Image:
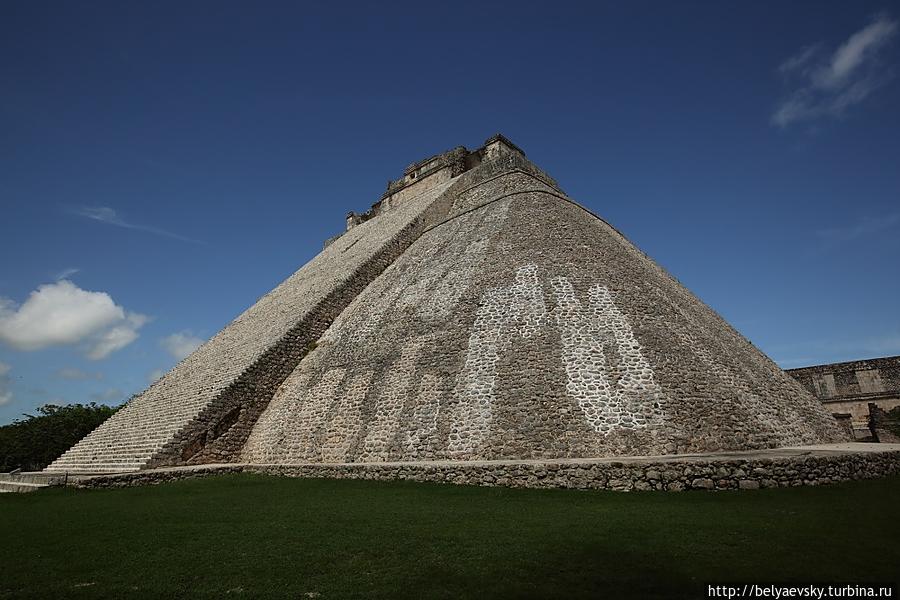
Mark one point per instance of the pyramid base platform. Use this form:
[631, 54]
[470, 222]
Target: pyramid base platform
[778, 467]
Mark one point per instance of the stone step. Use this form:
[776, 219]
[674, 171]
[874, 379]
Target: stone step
[131, 435]
[21, 486]
[133, 454]
[32, 477]
[123, 443]
[121, 436]
[136, 429]
[97, 469]
[136, 450]
[113, 462]
[107, 460]
[104, 460]
[90, 464]
[117, 447]
[150, 419]
[129, 453]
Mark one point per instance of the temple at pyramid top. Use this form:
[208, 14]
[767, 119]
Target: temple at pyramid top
[475, 312]
[435, 170]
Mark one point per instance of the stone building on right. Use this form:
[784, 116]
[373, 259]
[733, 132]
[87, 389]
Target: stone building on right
[856, 392]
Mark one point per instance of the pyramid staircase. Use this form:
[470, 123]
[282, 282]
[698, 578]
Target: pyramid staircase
[154, 428]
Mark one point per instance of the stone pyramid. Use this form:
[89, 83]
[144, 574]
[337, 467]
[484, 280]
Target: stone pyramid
[476, 312]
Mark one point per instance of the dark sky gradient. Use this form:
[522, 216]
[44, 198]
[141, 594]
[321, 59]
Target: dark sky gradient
[234, 136]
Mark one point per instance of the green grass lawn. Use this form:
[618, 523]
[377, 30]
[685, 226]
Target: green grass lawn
[256, 536]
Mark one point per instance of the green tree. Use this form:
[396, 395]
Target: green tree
[34, 442]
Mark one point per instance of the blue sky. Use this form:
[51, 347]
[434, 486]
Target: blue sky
[162, 165]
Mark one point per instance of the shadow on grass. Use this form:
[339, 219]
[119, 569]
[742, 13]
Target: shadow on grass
[256, 536]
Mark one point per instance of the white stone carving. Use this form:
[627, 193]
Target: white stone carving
[613, 393]
[626, 396]
[505, 313]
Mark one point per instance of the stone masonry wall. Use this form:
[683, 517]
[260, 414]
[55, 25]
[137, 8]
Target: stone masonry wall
[884, 425]
[849, 387]
[851, 380]
[696, 474]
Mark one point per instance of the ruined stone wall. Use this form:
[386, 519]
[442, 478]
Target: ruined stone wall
[859, 409]
[389, 201]
[524, 327]
[427, 182]
[454, 160]
[499, 152]
[884, 425]
[849, 387]
[851, 379]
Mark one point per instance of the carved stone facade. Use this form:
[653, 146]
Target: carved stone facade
[477, 313]
[848, 388]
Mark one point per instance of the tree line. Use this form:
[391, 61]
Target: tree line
[37, 440]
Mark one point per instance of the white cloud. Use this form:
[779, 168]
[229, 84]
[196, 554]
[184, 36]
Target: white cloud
[861, 46]
[116, 338]
[155, 375]
[66, 273]
[109, 216]
[800, 61]
[74, 374]
[826, 85]
[61, 313]
[55, 314]
[181, 344]
[5, 393]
